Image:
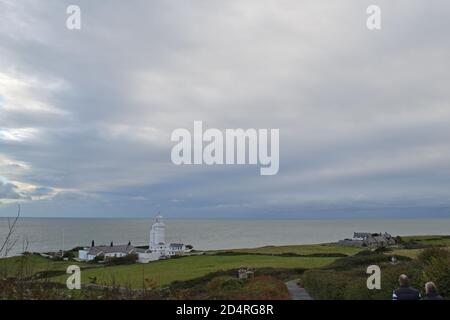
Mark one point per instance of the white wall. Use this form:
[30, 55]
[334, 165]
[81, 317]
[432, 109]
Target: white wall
[148, 256]
[83, 255]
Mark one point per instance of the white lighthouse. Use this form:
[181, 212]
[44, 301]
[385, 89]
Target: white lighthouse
[157, 234]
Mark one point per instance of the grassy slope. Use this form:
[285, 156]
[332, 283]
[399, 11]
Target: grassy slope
[430, 240]
[410, 253]
[32, 264]
[166, 271]
[300, 249]
[440, 241]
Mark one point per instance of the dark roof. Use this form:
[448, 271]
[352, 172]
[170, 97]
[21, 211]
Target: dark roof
[177, 245]
[362, 234]
[126, 249]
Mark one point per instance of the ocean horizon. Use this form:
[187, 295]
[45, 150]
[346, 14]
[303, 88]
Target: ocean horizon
[52, 234]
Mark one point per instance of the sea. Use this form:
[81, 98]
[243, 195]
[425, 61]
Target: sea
[53, 234]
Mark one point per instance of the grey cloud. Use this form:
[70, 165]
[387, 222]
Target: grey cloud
[8, 191]
[363, 116]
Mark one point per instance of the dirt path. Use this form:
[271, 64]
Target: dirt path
[296, 292]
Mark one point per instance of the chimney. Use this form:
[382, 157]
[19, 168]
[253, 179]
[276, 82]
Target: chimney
[93, 243]
[112, 245]
[129, 243]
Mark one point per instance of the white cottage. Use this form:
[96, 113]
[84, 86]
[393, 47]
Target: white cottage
[111, 251]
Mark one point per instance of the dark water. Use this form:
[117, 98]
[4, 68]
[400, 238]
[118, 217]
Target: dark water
[47, 234]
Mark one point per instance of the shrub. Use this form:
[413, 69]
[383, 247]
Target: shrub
[382, 250]
[128, 259]
[414, 245]
[346, 279]
[365, 253]
[398, 239]
[427, 255]
[224, 283]
[98, 259]
[261, 288]
[69, 255]
[326, 284]
[436, 268]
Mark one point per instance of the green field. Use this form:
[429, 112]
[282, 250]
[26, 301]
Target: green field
[410, 253]
[430, 240]
[165, 272]
[32, 264]
[300, 249]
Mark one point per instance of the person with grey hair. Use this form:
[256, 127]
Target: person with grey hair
[405, 291]
[431, 292]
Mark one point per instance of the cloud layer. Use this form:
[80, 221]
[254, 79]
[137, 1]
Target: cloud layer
[86, 116]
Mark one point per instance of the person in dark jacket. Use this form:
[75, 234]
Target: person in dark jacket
[405, 292]
[431, 292]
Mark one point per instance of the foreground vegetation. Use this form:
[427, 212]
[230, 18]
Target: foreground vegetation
[327, 271]
[346, 278]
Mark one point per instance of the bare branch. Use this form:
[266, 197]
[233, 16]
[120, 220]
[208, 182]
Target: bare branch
[6, 246]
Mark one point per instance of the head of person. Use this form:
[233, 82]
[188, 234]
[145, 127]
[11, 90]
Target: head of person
[403, 280]
[430, 288]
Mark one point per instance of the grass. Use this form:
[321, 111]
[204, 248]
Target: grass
[166, 271]
[32, 264]
[271, 269]
[430, 240]
[410, 253]
[300, 249]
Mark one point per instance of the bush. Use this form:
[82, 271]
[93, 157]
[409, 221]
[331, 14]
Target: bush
[436, 268]
[346, 279]
[69, 255]
[382, 250]
[427, 255]
[97, 259]
[414, 245]
[128, 259]
[261, 288]
[224, 283]
[365, 253]
[325, 284]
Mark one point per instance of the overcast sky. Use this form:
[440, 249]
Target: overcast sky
[86, 115]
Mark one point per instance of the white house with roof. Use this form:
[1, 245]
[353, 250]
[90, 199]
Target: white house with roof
[157, 249]
[110, 251]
